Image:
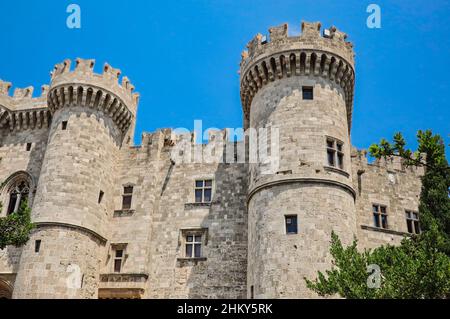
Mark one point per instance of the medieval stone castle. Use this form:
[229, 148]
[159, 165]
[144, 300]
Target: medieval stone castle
[114, 220]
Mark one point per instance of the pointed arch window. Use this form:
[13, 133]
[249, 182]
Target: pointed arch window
[18, 194]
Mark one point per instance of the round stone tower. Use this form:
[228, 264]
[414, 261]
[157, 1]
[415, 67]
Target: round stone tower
[92, 117]
[302, 86]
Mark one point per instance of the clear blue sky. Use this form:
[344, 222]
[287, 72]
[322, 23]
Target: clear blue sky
[183, 56]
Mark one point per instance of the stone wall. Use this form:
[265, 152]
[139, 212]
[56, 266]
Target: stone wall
[15, 160]
[221, 272]
[388, 183]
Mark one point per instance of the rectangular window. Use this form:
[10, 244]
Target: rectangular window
[118, 260]
[64, 125]
[127, 197]
[412, 222]
[380, 217]
[291, 224]
[203, 191]
[335, 153]
[252, 292]
[308, 93]
[28, 147]
[37, 246]
[193, 246]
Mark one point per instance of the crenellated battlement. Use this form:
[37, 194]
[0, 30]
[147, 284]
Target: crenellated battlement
[21, 110]
[20, 95]
[332, 40]
[172, 137]
[329, 56]
[100, 91]
[84, 73]
[394, 163]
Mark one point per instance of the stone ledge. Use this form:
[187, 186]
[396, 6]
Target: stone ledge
[386, 231]
[200, 205]
[120, 293]
[336, 170]
[183, 260]
[102, 239]
[303, 180]
[123, 212]
[124, 277]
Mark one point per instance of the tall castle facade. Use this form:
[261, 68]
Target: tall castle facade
[114, 220]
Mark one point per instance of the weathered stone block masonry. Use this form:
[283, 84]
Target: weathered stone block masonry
[114, 220]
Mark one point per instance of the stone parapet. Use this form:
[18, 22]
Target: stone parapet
[98, 91]
[329, 56]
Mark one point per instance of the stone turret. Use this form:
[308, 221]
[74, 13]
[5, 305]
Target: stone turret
[303, 86]
[92, 118]
[329, 56]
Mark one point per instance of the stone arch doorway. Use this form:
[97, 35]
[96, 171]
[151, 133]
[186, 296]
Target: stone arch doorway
[5, 289]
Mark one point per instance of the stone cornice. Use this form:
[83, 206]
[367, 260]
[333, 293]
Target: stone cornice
[99, 237]
[124, 277]
[22, 111]
[303, 180]
[386, 231]
[83, 74]
[90, 96]
[24, 119]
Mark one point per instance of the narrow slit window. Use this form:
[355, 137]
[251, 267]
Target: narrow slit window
[28, 147]
[37, 246]
[100, 196]
[64, 125]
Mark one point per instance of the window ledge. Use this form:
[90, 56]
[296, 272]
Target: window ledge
[196, 259]
[386, 231]
[199, 205]
[124, 212]
[336, 170]
[124, 277]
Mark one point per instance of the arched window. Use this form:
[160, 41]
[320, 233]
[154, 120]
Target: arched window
[17, 195]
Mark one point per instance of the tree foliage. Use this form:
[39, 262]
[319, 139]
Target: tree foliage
[420, 266]
[15, 228]
[415, 269]
[434, 204]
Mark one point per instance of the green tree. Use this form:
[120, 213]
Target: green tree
[15, 228]
[414, 269]
[434, 204]
[420, 266]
